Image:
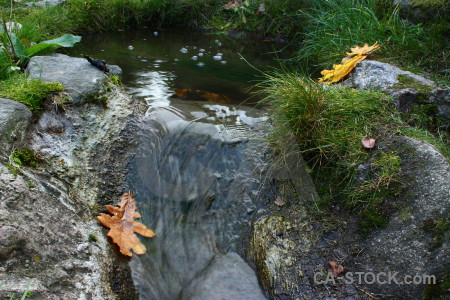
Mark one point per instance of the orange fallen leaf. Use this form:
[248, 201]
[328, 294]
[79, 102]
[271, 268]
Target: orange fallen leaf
[123, 226]
[335, 268]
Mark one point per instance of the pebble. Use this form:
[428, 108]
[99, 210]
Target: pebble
[200, 64]
[223, 62]
[217, 57]
[194, 57]
[279, 233]
[130, 47]
[183, 50]
[155, 33]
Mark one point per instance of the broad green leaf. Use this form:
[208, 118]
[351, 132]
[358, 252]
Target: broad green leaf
[38, 48]
[67, 40]
[19, 47]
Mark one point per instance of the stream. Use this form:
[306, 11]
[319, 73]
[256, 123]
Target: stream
[199, 169]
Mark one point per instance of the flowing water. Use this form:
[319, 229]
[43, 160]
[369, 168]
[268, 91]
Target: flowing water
[198, 172]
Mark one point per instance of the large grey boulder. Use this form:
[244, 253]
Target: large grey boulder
[14, 121]
[371, 74]
[416, 239]
[407, 89]
[227, 277]
[78, 76]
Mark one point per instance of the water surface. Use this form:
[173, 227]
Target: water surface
[200, 165]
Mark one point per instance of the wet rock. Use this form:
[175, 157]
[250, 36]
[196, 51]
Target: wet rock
[14, 121]
[10, 240]
[416, 239]
[66, 70]
[45, 214]
[227, 277]
[276, 257]
[407, 89]
[442, 99]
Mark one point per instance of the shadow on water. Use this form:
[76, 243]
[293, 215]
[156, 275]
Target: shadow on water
[198, 171]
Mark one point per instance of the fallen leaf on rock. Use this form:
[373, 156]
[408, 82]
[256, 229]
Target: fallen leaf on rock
[123, 226]
[357, 55]
[340, 71]
[367, 142]
[335, 268]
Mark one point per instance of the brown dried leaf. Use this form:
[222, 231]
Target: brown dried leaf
[279, 201]
[367, 142]
[335, 268]
[123, 226]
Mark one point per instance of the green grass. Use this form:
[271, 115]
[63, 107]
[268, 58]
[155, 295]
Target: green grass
[31, 92]
[334, 26]
[326, 124]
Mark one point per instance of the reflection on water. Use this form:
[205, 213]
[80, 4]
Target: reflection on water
[157, 65]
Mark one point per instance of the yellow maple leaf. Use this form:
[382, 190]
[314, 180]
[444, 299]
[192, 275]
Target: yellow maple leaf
[365, 50]
[340, 71]
[357, 55]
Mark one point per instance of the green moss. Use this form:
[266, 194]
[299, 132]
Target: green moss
[437, 228]
[371, 218]
[436, 291]
[406, 214]
[409, 82]
[31, 92]
[15, 171]
[92, 238]
[25, 157]
[115, 80]
[100, 99]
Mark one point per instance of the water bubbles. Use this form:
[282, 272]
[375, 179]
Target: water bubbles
[200, 64]
[130, 47]
[155, 33]
[184, 50]
[194, 57]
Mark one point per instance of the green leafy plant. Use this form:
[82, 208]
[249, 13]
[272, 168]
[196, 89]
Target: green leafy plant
[14, 52]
